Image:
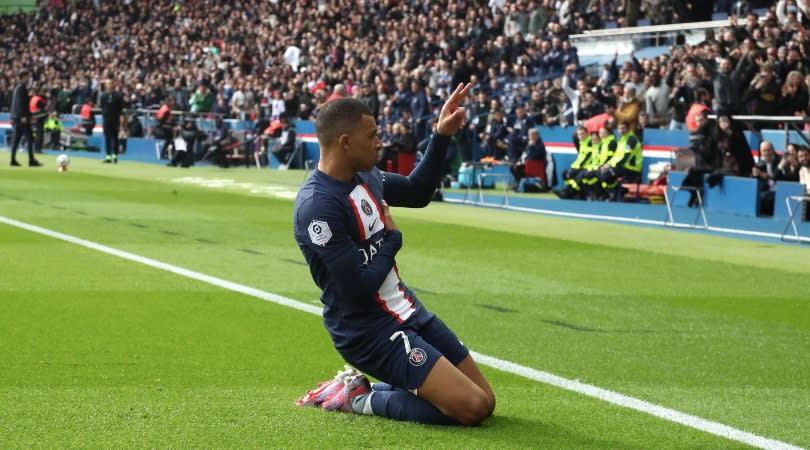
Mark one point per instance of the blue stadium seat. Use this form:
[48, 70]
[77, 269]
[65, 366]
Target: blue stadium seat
[794, 137]
[776, 137]
[752, 138]
[735, 195]
[785, 189]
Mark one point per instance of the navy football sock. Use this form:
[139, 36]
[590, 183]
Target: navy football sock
[380, 386]
[402, 405]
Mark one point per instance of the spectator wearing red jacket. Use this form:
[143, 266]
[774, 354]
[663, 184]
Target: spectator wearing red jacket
[164, 128]
[87, 117]
[699, 107]
[39, 112]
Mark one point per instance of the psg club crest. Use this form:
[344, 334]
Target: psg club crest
[319, 232]
[366, 207]
[417, 357]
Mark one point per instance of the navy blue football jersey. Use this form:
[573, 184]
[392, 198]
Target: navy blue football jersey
[340, 229]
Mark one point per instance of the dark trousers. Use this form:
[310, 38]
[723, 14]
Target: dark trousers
[695, 178]
[283, 153]
[88, 127]
[571, 174]
[111, 139]
[39, 134]
[20, 130]
[166, 134]
[586, 178]
[215, 151]
[168, 149]
[56, 139]
[184, 158]
[612, 174]
[766, 201]
[518, 170]
[607, 179]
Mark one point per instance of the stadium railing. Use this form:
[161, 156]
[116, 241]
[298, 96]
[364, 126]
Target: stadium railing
[596, 46]
[794, 205]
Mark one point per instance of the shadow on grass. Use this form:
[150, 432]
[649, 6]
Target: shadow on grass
[523, 432]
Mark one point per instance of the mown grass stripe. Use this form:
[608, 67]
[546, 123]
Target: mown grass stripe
[614, 398]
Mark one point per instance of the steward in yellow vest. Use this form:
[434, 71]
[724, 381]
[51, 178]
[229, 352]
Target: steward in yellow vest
[53, 126]
[587, 149]
[625, 163]
[580, 185]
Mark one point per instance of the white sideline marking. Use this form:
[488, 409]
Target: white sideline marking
[715, 428]
[661, 223]
[219, 282]
[616, 398]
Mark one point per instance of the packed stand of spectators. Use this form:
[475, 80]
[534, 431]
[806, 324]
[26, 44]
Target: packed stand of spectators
[251, 59]
[761, 67]
[246, 59]
[766, 62]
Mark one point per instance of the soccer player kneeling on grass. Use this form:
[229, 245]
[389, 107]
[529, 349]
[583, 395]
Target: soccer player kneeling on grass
[345, 230]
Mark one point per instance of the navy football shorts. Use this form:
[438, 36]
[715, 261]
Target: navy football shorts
[403, 356]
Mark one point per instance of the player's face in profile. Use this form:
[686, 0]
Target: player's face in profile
[365, 145]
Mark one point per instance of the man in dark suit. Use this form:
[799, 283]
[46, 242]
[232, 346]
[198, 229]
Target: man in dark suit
[766, 171]
[21, 118]
[518, 133]
[112, 106]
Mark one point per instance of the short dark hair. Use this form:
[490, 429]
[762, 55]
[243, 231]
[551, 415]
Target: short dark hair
[701, 93]
[23, 73]
[339, 116]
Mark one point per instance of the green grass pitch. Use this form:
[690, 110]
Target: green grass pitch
[101, 352]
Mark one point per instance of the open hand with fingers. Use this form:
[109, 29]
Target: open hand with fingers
[452, 116]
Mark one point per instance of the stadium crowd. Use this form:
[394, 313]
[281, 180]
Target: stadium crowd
[236, 58]
[251, 59]
[245, 58]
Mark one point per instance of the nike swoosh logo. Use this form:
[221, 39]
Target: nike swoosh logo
[371, 227]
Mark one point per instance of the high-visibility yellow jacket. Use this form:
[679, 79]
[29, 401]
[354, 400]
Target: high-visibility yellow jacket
[587, 152]
[628, 153]
[607, 147]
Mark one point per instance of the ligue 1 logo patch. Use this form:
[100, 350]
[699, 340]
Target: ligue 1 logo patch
[417, 357]
[319, 232]
[366, 207]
